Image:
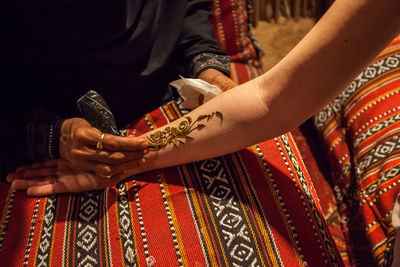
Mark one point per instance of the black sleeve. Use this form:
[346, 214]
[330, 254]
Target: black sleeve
[29, 126]
[200, 50]
[26, 134]
[27, 139]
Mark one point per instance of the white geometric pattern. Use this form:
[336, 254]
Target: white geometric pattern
[87, 230]
[228, 214]
[125, 225]
[371, 72]
[43, 254]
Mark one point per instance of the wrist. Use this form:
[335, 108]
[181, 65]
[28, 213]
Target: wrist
[54, 138]
[205, 61]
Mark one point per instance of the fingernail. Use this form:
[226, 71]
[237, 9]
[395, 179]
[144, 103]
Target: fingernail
[146, 151]
[142, 161]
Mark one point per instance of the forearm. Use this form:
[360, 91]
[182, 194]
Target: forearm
[332, 54]
[233, 120]
[319, 68]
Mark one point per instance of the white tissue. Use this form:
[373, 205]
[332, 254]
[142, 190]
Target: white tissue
[191, 89]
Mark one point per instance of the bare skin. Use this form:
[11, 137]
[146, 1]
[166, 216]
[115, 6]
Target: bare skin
[78, 146]
[81, 158]
[215, 77]
[312, 74]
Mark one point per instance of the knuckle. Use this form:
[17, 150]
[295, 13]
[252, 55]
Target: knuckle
[81, 134]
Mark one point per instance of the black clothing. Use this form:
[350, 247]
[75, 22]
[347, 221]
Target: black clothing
[128, 51]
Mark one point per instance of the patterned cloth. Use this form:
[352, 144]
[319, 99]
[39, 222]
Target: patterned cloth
[256, 207]
[361, 131]
[231, 28]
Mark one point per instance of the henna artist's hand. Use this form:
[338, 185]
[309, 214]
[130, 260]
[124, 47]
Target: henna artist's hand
[78, 145]
[217, 78]
[57, 176]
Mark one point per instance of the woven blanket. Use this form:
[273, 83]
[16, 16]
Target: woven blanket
[256, 207]
[361, 131]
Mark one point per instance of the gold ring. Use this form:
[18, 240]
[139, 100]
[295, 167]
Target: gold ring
[99, 145]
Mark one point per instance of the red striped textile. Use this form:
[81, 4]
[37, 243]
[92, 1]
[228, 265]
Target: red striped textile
[231, 30]
[257, 206]
[361, 131]
[242, 73]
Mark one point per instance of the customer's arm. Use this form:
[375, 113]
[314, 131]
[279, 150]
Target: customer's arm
[342, 43]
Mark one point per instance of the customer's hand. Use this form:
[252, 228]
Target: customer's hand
[57, 176]
[78, 145]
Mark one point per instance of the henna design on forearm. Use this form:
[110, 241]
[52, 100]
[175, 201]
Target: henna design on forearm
[178, 135]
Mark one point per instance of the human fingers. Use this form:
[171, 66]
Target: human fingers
[225, 84]
[125, 174]
[114, 150]
[39, 172]
[80, 141]
[93, 138]
[36, 170]
[47, 189]
[68, 180]
[217, 78]
[106, 171]
[103, 163]
[23, 184]
[119, 143]
[41, 164]
[92, 183]
[110, 157]
[76, 135]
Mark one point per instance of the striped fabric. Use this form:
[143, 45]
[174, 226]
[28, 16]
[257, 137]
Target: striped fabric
[256, 207]
[231, 30]
[361, 131]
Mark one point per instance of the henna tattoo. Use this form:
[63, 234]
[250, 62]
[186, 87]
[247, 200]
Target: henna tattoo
[178, 135]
